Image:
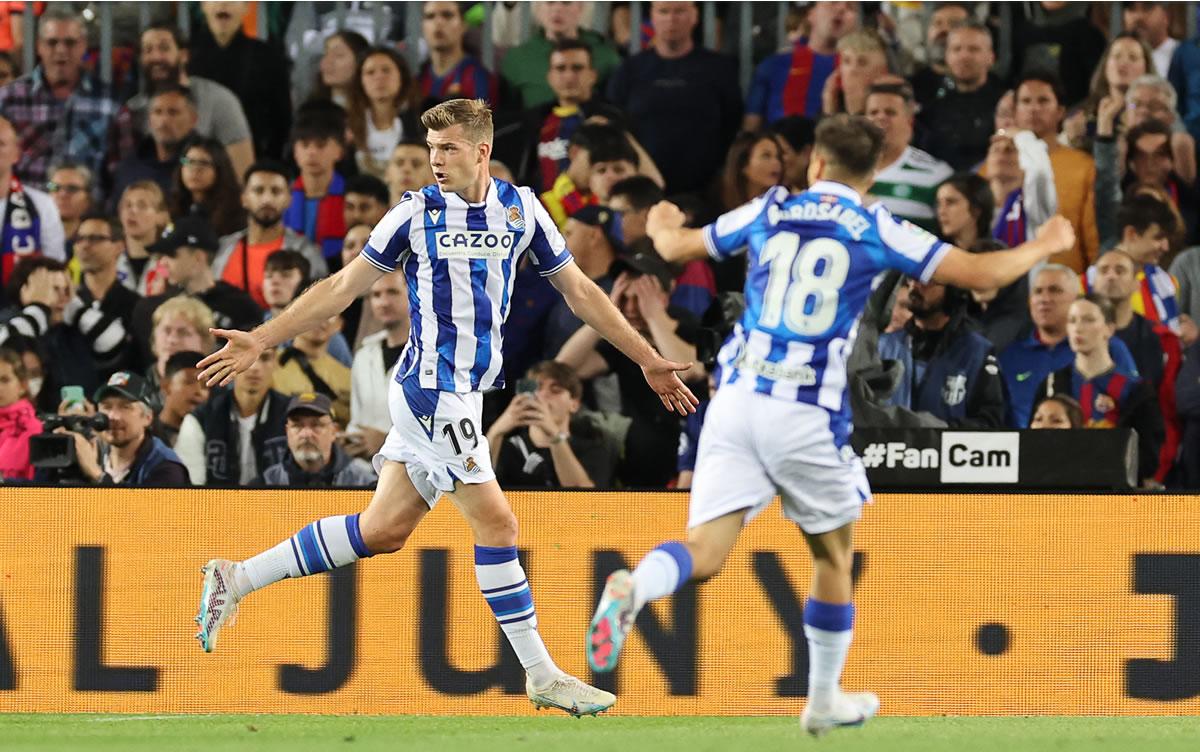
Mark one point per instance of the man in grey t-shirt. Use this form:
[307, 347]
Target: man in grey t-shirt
[163, 60]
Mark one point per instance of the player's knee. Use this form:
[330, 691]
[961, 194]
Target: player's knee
[500, 529]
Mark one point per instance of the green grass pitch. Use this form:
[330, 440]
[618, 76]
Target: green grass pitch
[296, 733]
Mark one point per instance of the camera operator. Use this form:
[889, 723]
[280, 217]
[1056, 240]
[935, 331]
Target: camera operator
[134, 457]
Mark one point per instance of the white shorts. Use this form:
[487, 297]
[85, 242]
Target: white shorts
[438, 436]
[753, 446]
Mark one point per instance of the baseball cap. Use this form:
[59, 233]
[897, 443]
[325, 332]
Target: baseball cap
[608, 220]
[128, 385]
[191, 231]
[642, 258]
[309, 402]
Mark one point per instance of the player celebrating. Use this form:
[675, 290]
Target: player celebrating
[459, 243]
[780, 422]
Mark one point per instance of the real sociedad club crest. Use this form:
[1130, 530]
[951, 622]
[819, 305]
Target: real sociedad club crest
[955, 389]
[515, 220]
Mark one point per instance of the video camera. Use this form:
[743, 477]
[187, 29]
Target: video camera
[56, 451]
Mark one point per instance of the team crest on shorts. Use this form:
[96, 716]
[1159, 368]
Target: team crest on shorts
[954, 391]
[470, 466]
[514, 217]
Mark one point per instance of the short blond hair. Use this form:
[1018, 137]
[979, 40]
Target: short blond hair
[193, 311]
[863, 40]
[473, 115]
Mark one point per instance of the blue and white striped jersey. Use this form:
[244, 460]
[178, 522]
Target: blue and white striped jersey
[814, 257]
[460, 260]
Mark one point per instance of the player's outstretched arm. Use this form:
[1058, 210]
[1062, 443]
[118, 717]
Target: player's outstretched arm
[673, 241]
[321, 301]
[988, 271]
[591, 304]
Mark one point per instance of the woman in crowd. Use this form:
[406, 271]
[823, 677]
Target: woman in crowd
[1108, 397]
[339, 65]
[1057, 411]
[205, 183]
[181, 324]
[383, 109]
[18, 419]
[964, 209]
[1126, 58]
[753, 164]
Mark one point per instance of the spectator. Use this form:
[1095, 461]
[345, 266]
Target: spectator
[142, 209]
[238, 433]
[570, 191]
[307, 366]
[220, 52]
[58, 111]
[1031, 358]
[338, 73]
[172, 122]
[754, 164]
[204, 185]
[29, 221]
[1002, 315]
[964, 209]
[1150, 161]
[383, 109]
[1057, 411]
[942, 18]
[593, 235]
[950, 371]
[1039, 108]
[133, 456]
[549, 127]
[1187, 401]
[1126, 59]
[18, 418]
[609, 168]
[632, 199]
[374, 363]
[528, 67]
[317, 207]
[907, 177]
[675, 87]
[102, 309]
[1152, 97]
[1021, 179]
[242, 256]
[956, 117]
[71, 188]
[314, 460]
[862, 60]
[180, 393]
[219, 114]
[188, 248]
[792, 82]
[450, 72]
[542, 441]
[181, 324]
[1006, 111]
[1058, 38]
[796, 136]
[1109, 396]
[35, 373]
[286, 274]
[407, 170]
[1178, 62]
[642, 294]
[366, 201]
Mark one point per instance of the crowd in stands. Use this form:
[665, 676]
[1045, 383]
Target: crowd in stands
[218, 175]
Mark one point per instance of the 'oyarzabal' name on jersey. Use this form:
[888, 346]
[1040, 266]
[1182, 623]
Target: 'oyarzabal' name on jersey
[474, 244]
[820, 211]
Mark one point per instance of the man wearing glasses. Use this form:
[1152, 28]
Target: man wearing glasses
[59, 111]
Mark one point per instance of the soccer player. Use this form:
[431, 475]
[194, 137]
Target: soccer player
[459, 243]
[780, 421]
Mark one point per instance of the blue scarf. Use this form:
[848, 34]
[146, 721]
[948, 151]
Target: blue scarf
[21, 233]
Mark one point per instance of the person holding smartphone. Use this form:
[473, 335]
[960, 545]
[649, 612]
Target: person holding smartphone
[541, 441]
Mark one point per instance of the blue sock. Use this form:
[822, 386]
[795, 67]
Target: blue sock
[663, 571]
[829, 628]
[506, 589]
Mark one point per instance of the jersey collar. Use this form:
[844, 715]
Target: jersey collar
[837, 189]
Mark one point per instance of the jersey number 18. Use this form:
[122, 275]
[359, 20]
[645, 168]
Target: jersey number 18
[803, 283]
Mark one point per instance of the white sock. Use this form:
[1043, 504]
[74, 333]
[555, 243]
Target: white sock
[506, 589]
[826, 658]
[325, 544]
[660, 573]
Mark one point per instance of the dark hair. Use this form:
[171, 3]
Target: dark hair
[6, 56]
[14, 359]
[735, 188]
[797, 130]
[172, 87]
[359, 109]
[588, 135]
[1048, 77]
[285, 259]
[1070, 405]
[272, 166]
[641, 191]
[616, 149]
[978, 194]
[1140, 211]
[319, 120]
[850, 143]
[181, 361]
[357, 43]
[169, 28]
[1106, 306]
[571, 45]
[369, 185]
[901, 89]
[223, 206]
[113, 222]
[561, 374]
[24, 268]
[1146, 128]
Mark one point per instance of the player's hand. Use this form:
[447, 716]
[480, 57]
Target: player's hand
[664, 216]
[663, 377]
[238, 354]
[1058, 234]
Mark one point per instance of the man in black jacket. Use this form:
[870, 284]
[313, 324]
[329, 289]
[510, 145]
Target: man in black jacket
[314, 460]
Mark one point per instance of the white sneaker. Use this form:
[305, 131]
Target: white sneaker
[571, 695]
[848, 709]
[218, 604]
[614, 618]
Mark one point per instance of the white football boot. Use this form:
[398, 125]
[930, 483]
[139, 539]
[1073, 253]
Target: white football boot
[847, 709]
[570, 695]
[218, 604]
[614, 618]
